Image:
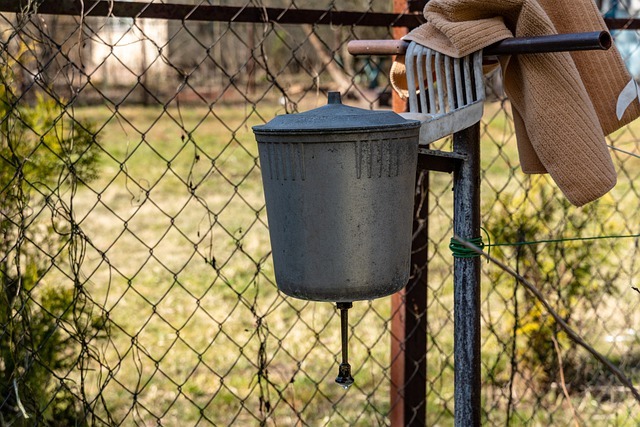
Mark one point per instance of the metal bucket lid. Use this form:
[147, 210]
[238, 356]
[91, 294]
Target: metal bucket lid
[336, 117]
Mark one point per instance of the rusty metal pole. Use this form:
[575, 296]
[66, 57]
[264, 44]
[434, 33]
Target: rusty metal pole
[466, 277]
[409, 324]
[409, 307]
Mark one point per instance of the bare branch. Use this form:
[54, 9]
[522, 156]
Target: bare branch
[569, 331]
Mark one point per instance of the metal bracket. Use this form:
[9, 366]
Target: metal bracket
[440, 161]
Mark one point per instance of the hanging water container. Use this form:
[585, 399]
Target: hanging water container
[339, 188]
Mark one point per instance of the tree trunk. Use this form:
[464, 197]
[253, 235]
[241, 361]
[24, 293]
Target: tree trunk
[343, 80]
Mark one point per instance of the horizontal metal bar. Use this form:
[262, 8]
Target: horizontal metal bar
[513, 46]
[125, 9]
[623, 23]
[439, 161]
[377, 47]
[556, 43]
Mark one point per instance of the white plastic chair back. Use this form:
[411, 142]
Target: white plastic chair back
[449, 90]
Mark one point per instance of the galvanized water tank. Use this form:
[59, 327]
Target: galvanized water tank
[339, 188]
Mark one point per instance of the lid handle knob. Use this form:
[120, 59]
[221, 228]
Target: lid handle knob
[334, 98]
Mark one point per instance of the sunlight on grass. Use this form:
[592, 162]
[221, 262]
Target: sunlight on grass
[179, 258]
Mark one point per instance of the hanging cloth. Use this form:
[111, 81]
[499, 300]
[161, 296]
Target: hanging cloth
[563, 104]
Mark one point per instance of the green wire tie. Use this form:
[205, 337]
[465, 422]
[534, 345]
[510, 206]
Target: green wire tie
[461, 251]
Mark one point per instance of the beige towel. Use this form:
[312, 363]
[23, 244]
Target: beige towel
[563, 103]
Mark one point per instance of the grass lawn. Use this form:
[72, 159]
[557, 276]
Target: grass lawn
[179, 258]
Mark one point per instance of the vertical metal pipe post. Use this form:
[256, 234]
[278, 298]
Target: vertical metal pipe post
[466, 276]
[408, 394]
[415, 302]
[409, 324]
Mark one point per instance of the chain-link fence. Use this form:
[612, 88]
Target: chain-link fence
[137, 282]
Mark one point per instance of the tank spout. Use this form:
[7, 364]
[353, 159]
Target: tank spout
[344, 377]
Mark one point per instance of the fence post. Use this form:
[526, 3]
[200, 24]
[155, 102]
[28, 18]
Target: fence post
[466, 276]
[409, 307]
[409, 325]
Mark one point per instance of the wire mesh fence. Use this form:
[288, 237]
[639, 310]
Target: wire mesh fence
[137, 282]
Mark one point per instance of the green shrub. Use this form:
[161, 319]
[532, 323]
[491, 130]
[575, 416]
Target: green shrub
[571, 274]
[46, 324]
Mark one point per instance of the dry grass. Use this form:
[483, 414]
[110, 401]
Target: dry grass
[179, 260]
